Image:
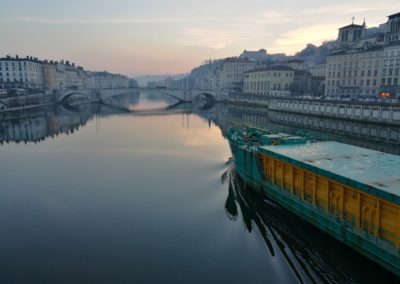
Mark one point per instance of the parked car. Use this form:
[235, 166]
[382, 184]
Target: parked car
[3, 92]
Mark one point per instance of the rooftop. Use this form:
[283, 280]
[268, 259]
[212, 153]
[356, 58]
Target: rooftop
[351, 26]
[394, 16]
[271, 68]
[351, 164]
[356, 50]
[237, 60]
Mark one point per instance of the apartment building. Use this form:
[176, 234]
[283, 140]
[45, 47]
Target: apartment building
[21, 73]
[273, 81]
[230, 74]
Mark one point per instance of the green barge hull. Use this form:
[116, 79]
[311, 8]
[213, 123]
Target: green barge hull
[356, 206]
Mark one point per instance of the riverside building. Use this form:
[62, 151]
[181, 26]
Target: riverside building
[230, 74]
[391, 57]
[354, 66]
[365, 62]
[19, 72]
[273, 81]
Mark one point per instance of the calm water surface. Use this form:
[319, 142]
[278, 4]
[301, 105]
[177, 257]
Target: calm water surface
[95, 195]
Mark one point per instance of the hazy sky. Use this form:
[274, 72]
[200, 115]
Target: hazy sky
[172, 36]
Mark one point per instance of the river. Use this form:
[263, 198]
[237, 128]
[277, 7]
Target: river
[148, 194]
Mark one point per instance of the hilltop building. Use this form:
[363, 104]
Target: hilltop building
[255, 56]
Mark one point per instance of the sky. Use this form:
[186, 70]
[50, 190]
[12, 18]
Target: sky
[137, 37]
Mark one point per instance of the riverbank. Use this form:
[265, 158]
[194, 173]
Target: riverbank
[371, 112]
[69, 97]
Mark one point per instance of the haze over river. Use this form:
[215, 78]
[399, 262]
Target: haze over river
[99, 194]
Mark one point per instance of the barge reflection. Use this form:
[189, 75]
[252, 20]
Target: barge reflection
[313, 256]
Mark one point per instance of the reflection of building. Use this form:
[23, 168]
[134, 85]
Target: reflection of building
[39, 124]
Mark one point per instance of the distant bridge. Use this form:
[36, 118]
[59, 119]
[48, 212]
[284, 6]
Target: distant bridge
[188, 95]
[93, 95]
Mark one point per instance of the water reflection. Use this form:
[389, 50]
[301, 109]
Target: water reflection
[311, 255]
[36, 125]
[141, 161]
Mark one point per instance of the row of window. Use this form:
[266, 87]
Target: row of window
[243, 65]
[391, 72]
[20, 68]
[258, 86]
[355, 56]
[361, 83]
[391, 62]
[354, 73]
[354, 64]
[234, 76]
[392, 53]
[351, 83]
[25, 74]
[270, 74]
[337, 92]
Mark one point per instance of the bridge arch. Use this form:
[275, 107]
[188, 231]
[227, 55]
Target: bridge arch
[66, 96]
[207, 96]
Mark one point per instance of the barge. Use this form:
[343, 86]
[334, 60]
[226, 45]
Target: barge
[351, 193]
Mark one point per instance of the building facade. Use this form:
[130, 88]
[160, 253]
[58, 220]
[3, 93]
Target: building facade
[354, 73]
[272, 81]
[230, 74]
[318, 70]
[33, 74]
[391, 57]
[392, 33]
[18, 72]
[365, 64]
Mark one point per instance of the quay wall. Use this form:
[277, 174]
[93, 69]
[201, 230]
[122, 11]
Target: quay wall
[383, 113]
[358, 111]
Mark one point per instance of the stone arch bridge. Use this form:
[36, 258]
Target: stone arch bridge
[185, 96]
[92, 95]
[188, 95]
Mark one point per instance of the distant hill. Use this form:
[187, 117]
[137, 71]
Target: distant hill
[315, 54]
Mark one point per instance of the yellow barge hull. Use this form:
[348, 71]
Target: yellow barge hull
[360, 217]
